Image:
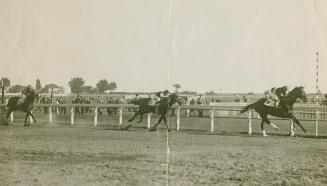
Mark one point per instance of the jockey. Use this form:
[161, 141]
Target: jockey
[273, 96]
[276, 93]
[27, 90]
[282, 91]
[155, 98]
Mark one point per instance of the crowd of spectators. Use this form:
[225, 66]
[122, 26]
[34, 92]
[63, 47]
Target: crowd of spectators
[78, 99]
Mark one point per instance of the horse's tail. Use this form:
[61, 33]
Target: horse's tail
[246, 108]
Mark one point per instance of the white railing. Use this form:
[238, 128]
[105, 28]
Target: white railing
[300, 110]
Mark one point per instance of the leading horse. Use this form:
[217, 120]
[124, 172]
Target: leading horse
[164, 105]
[284, 111]
[14, 104]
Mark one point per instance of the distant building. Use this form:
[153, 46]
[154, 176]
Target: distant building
[56, 89]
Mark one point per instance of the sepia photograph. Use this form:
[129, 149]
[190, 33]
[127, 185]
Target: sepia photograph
[163, 92]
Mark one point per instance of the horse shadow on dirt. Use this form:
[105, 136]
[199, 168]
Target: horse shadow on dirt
[208, 133]
[245, 134]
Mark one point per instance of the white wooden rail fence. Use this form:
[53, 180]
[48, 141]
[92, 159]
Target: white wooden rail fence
[303, 112]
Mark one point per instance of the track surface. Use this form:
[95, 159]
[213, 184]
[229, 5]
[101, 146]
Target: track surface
[60, 154]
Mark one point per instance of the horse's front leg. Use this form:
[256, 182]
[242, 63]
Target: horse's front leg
[27, 114]
[263, 129]
[165, 121]
[298, 123]
[154, 128]
[141, 118]
[33, 117]
[8, 113]
[292, 128]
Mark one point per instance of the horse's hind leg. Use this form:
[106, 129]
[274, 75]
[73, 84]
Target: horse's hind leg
[271, 124]
[130, 120]
[136, 113]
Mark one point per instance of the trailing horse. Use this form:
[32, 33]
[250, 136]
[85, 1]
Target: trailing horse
[164, 105]
[284, 111]
[14, 104]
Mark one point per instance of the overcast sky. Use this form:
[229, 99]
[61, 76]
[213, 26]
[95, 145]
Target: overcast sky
[227, 45]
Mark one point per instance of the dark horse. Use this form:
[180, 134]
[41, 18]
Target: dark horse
[164, 105]
[284, 111]
[25, 106]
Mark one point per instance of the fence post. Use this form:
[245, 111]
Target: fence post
[12, 117]
[250, 122]
[212, 116]
[121, 116]
[188, 112]
[72, 113]
[50, 114]
[149, 121]
[96, 116]
[291, 127]
[178, 113]
[31, 119]
[317, 122]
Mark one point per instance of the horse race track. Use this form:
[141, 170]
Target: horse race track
[60, 154]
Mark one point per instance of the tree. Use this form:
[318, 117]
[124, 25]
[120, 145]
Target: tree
[76, 85]
[102, 86]
[87, 89]
[188, 92]
[177, 86]
[38, 85]
[5, 82]
[112, 86]
[16, 89]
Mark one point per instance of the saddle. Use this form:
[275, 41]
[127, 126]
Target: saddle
[154, 103]
[20, 100]
[271, 103]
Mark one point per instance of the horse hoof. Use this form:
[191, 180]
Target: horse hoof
[152, 129]
[129, 120]
[139, 121]
[127, 127]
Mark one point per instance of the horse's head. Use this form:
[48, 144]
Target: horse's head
[135, 101]
[31, 95]
[173, 98]
[298, 93]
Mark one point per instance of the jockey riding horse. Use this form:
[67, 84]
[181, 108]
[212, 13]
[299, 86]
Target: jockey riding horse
[23, 103]
[155, 98]
[275, 95]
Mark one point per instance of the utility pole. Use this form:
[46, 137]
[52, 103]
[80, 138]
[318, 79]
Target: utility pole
[317, 78]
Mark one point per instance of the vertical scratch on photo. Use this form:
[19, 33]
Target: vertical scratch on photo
[171, 36]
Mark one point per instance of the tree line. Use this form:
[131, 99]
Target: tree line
[77, 85]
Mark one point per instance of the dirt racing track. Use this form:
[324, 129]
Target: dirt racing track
[60, 154]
